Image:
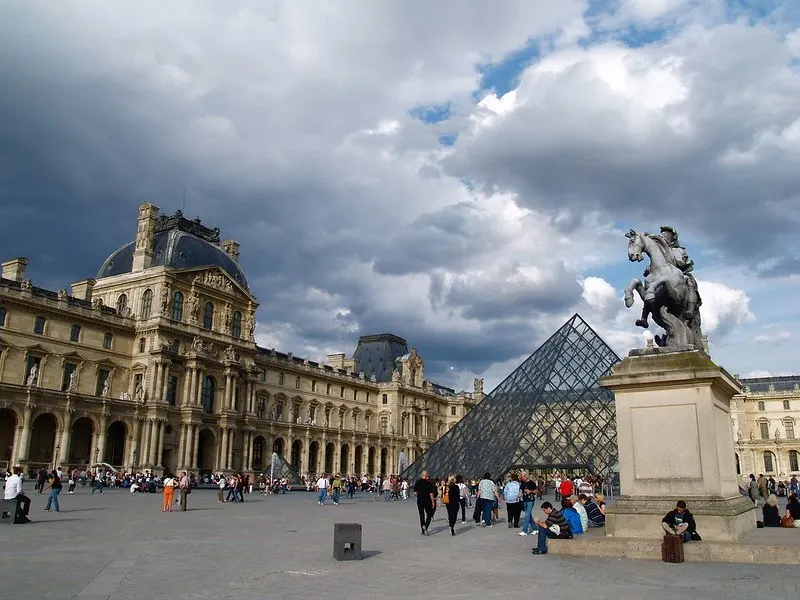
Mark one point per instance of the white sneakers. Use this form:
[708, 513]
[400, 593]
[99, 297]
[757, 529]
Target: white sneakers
[522, 533]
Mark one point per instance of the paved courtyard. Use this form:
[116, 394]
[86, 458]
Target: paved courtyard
[121, 546]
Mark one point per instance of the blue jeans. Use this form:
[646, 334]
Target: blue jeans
[53, 498]
[323, 493]
[527, 519]
[336, 492]
[486, 510]
[544, 533]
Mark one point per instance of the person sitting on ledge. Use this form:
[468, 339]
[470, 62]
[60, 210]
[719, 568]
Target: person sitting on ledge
[770, 510]
[555, 526]
[593, 512]
[572, 516]
[793, 509]
[680, 521]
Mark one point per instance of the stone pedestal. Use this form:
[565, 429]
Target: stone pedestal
[675, 443]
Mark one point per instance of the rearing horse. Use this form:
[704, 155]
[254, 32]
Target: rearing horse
[665, 284]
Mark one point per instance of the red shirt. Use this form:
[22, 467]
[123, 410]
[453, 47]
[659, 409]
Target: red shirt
[566, 488]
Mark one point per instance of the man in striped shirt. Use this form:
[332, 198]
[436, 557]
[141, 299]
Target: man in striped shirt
[555, 526]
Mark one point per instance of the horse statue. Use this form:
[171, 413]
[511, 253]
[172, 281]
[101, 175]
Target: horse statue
[669, 290]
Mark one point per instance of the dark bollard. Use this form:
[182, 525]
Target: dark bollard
[347, 541]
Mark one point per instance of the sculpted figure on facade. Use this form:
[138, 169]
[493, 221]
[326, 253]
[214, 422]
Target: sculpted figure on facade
[227, 316]
[106, 387]
[250, 324]
[477, 385]
[62, 294]
[193, 307]
[230, 353]
[218, 281]
[33, 377]
[165, 298]
[73, 382]
[669, 290]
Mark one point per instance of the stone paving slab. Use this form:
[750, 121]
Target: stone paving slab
[121, 546]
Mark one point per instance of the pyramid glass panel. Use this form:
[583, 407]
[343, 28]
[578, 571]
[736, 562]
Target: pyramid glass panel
[549, 413]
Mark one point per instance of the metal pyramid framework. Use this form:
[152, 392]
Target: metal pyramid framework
[549, 413]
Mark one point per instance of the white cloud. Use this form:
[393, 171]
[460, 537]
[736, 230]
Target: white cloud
[773, 338]
[723, 308]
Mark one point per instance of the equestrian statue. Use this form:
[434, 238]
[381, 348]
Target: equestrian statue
[669, 290]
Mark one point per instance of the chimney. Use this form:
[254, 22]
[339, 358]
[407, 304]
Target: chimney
[145, 236]
[337, 360]
[82, 290]
[231, 248]
[15, 269]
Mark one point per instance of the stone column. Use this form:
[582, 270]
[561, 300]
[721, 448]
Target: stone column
[164, 383]
[223, 453]
[152, 385]
[226, 402]
[195, 444]
[66, 435]
[152, 442]
[101, 438]
[229, 461]
[181, 446]
[135, 447]
[159, 387]
[199, 383]
[25, 436]
[160, 451]
[250, 396]
[191, 386]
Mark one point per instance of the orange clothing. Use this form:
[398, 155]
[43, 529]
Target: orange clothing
[169, 498]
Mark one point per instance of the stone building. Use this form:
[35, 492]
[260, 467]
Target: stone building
[153, 364]
[766, 417]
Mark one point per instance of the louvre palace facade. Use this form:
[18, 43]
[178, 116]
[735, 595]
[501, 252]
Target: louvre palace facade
[153, 364]
[766, 418]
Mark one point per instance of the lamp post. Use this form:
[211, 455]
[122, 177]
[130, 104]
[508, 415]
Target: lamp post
[133, 466]
[96, 456]
[55, 456]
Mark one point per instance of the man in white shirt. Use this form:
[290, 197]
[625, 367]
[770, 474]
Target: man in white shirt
[322, 489]
[14, 492]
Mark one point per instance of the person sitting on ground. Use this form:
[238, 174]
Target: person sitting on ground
[793, 509]
[594, 515]
[770, 510]
[572, 516]
[680, 521]
[556, 526]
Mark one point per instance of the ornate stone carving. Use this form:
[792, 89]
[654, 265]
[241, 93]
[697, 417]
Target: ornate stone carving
[73, 383]
[669, 291]
[138, 395]
[219, 281]
[227, 316]
[62, 295]
[26, 284]
[97, 303]
[230, 354]
[477, 385]
[106, 387]
[250, 324]
[166, 293]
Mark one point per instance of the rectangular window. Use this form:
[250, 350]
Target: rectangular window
[172, 390]
[142, 344]
[341, 392]
[312, 413]
[328, 389]
[384, 424]
[281, 378]
[313, 386]
[355, 394]
[786, 405]
[107, 340]
[367, 397]
[102, 375]
[297, 383]
[385, 399]
[764, 430]
[38, 325]
[262, 376]
[69, 369]
[453, 411]
[761, 406]
[789, 430]
[296, 413]
[74, 333]
[768, 465]
[137, 382]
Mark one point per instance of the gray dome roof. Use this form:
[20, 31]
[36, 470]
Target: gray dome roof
[177, 249]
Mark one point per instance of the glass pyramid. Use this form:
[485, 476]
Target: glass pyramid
[549, 413]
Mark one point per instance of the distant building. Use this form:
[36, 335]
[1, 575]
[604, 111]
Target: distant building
[153, 365]
[765, 426]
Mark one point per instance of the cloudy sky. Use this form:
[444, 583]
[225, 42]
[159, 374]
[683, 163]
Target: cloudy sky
[460, 173]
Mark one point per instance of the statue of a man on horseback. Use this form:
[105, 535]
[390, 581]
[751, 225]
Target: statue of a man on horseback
[669, 291]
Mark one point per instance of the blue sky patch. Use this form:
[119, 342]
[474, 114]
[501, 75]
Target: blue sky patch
[432, 114]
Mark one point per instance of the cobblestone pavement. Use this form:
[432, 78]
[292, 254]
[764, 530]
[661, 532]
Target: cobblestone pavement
[121, 546]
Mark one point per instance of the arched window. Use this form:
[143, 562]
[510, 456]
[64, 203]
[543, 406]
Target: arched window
[794, 460]
[769, 462]
[208, 316]
[3, 316]
[177, 306]
[207, 394]
[122, 303]
[236, 325]
[147, 304]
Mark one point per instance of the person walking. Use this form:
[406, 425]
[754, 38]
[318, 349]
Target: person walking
[513, 497]
[55, 489]
[463, 497]
[425, 493]
[221, 489]
[452, 501]
[169, 492]
[337, 489]
[487, 492]
[184, 489]
[322, 489]
[528, 488]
